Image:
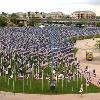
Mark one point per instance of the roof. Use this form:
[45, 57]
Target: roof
[88, 51]
[90, 12]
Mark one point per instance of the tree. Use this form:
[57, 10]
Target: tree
[98, 24]
[80, 24]
[3, 21]
[97, 17]
[4, 14]
[69, 23]
[49, 20]
[34, 22]
[14, 18]
[31, 22]
[74, 39]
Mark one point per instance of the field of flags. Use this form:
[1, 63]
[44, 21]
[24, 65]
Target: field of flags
[42, 60]
[68, 81]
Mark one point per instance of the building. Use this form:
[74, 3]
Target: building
[41, 15]
[56, 15]
[30, 15]
[83, 15]
[20, 14]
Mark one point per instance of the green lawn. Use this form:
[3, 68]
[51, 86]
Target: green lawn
[35, 86]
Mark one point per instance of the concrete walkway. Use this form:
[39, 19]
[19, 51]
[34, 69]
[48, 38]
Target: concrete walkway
[84, 45]
[17, 96]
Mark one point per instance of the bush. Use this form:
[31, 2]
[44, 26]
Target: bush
[3, 21]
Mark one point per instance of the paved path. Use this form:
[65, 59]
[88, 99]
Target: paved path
[84, 45]
[17, 96]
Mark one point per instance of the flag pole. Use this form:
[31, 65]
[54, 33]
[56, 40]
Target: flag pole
[32, 71]
[30, 82]
[62, 82]
[38, 64]
[5, 76]
[13, 85]
[81, 77]
[86, 84]
[42, 80]
[23, 83]
[77, 78]
[8, 81]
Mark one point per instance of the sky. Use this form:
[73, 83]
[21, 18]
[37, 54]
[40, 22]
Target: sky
[65, 6]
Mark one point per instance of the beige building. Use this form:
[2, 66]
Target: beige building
[20, 14]
[41, 15]
[36, 15]
[56, 15]
[83, 15]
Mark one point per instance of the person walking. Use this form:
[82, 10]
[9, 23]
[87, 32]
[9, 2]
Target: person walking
[81, 90]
